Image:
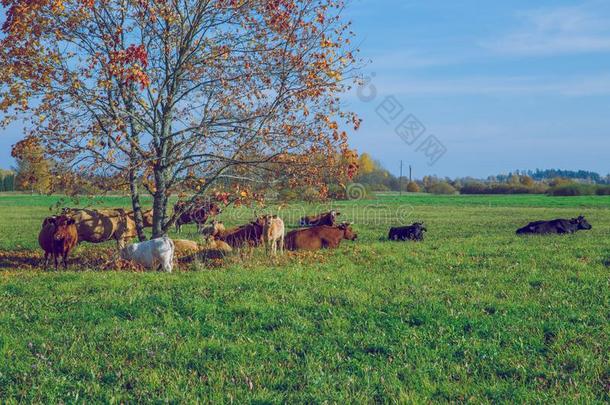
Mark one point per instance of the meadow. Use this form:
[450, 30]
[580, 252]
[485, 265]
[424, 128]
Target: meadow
[473, 313]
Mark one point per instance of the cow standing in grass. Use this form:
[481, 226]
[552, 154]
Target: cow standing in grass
[151, 253]
[273, 233]
[198, 214]
[58, 237]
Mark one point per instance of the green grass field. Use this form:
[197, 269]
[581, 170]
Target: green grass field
[474, 313]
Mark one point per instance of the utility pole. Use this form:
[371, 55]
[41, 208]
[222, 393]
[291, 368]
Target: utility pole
[400, 180]
[410, 174]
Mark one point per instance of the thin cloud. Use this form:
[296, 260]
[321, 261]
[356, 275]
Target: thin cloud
[580, 86]
[555, 31]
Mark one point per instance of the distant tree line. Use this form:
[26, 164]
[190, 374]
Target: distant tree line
[550, 174]
[376, 178]
[34, 174]
[7, 180]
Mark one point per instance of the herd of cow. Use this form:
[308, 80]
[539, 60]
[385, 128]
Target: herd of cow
[61, 233]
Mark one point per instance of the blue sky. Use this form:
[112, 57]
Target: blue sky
[502, 85]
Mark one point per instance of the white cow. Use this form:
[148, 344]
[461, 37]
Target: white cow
[152, 253]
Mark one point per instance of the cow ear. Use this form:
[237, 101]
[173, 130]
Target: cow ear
[337, 213]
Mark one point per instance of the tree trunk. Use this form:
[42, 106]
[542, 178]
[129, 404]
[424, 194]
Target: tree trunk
[135, 204]
[159, 203]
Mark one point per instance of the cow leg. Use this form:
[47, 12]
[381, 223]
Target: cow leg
[121, 243]
[167, 265]
[66, 261]
[281, 242]
[46, 259]
[55, 259]
[266, 245]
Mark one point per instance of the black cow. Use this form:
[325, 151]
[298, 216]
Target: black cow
[199, 213]
[559, 226]
[414, 232]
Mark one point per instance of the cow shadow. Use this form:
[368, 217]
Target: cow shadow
[20, 260]
[34, 260]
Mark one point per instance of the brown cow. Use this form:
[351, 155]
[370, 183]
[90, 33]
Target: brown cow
[198, 214]
[96, 226]
[250, 234]
[319, 237]
[218, 245]
[184, 248]
[327, 218]
[187, 251]
[57, 237]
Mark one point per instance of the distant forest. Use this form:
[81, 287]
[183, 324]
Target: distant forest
[35, 176]
[549, 174]
[550, 181]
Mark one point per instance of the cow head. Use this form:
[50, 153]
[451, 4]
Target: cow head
[420, 226]
[147, 216]
[581, 222]
[218, 227]
[267, 219]
[348, 232]
[333, 215]
[66, 211]
[49, 221]
[180, 206]
[213, 209]
[63, 225]
[260, 221]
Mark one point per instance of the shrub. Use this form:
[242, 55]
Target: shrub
[560, 181]
[336, 192]
[572, 190]
[475, 187]
[311, 195]
[288, 194]
[442, 188]
[378, 187]
[601, 190]
[412, 187]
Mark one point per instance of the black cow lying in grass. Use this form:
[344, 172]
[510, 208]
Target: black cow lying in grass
[560, 226]
[414, 232]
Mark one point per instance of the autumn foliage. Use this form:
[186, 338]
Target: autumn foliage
[183, 97]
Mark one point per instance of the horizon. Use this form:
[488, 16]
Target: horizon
[482, 177]
[497, 86]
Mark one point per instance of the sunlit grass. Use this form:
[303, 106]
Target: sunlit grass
[473, 313]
